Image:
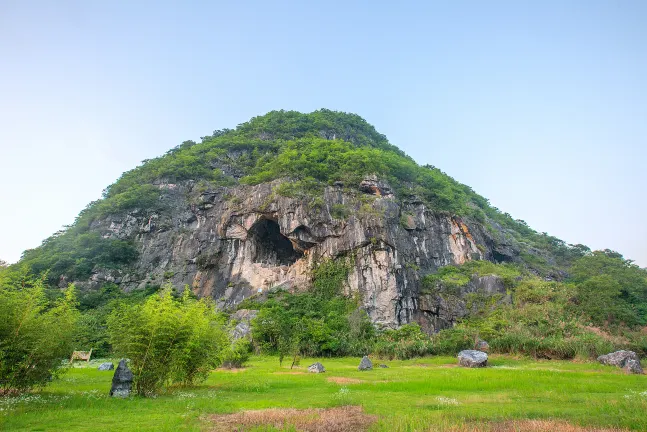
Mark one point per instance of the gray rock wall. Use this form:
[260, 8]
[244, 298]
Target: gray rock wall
[234, 242]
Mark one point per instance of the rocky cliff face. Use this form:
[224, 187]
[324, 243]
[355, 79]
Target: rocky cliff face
[234, 242]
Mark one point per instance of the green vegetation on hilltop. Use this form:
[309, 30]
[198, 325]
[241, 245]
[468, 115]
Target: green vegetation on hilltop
[312, 150]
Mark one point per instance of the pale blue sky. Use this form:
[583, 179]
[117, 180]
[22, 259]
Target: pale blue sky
[539, 106]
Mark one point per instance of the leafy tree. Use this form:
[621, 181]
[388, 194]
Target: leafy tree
[611, 289]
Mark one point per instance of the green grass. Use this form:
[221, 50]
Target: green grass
[419, 394]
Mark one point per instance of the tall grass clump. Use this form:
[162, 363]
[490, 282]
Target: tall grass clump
[407, 342]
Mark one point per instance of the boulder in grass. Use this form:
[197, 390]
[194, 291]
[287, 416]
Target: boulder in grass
[106, 367]
[365, 364]
[383, 366]
[633, 367]
[316, 368]
[122, 381]
[481, 345]
[472, 358]
[618, 358]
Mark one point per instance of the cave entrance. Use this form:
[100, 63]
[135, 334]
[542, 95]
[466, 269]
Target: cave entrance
[270, 246]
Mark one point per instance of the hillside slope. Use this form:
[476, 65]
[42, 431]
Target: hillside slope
[258, 208]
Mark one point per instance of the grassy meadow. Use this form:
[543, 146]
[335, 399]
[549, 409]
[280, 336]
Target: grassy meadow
[414, 395]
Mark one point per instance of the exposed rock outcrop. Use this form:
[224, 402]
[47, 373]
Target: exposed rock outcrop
[231, 243]
[243, 319]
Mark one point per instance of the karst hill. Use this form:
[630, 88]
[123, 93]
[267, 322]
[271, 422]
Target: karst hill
[255, 209]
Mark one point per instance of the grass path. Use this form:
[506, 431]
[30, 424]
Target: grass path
[414, 395]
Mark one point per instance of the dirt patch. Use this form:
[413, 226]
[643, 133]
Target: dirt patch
[339, 419]
[530, 426]
[342, 380]
[619, 340]
[289, 373]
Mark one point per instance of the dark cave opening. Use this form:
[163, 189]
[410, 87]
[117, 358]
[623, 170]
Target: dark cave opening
[272, 247]
[500, 258]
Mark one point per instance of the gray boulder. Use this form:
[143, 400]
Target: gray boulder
[383, 366]
[482, 345]
[122, 381]
[618, 358]
[316, 368]
[365, 364]
[472, 358]
[633, 367]
[106, 367]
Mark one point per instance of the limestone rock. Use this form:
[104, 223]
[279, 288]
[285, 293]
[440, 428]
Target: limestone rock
[618, 358]
[374, 186]
[106, 367]
[122, 381]
[243, 328]
[633, 366]
[481, 345]
[316, 368]
[234, 242]
[408, 222]
[365, 364]
[472, 358]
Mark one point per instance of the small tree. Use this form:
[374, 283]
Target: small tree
[167, 340]
[35, 335]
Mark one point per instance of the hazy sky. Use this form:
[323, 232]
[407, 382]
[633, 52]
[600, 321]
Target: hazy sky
[539, 106]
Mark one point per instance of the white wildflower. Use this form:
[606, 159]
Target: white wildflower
[447, 401]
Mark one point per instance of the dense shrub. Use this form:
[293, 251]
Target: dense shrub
[35, 335]
[312, 325]
[610, 290]
[548, 319]
[404, 343]
[92, 333]
[329, 277]
[75, 255]
[453, 340]
[456, 276]
[236, 354]
[167, 340]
